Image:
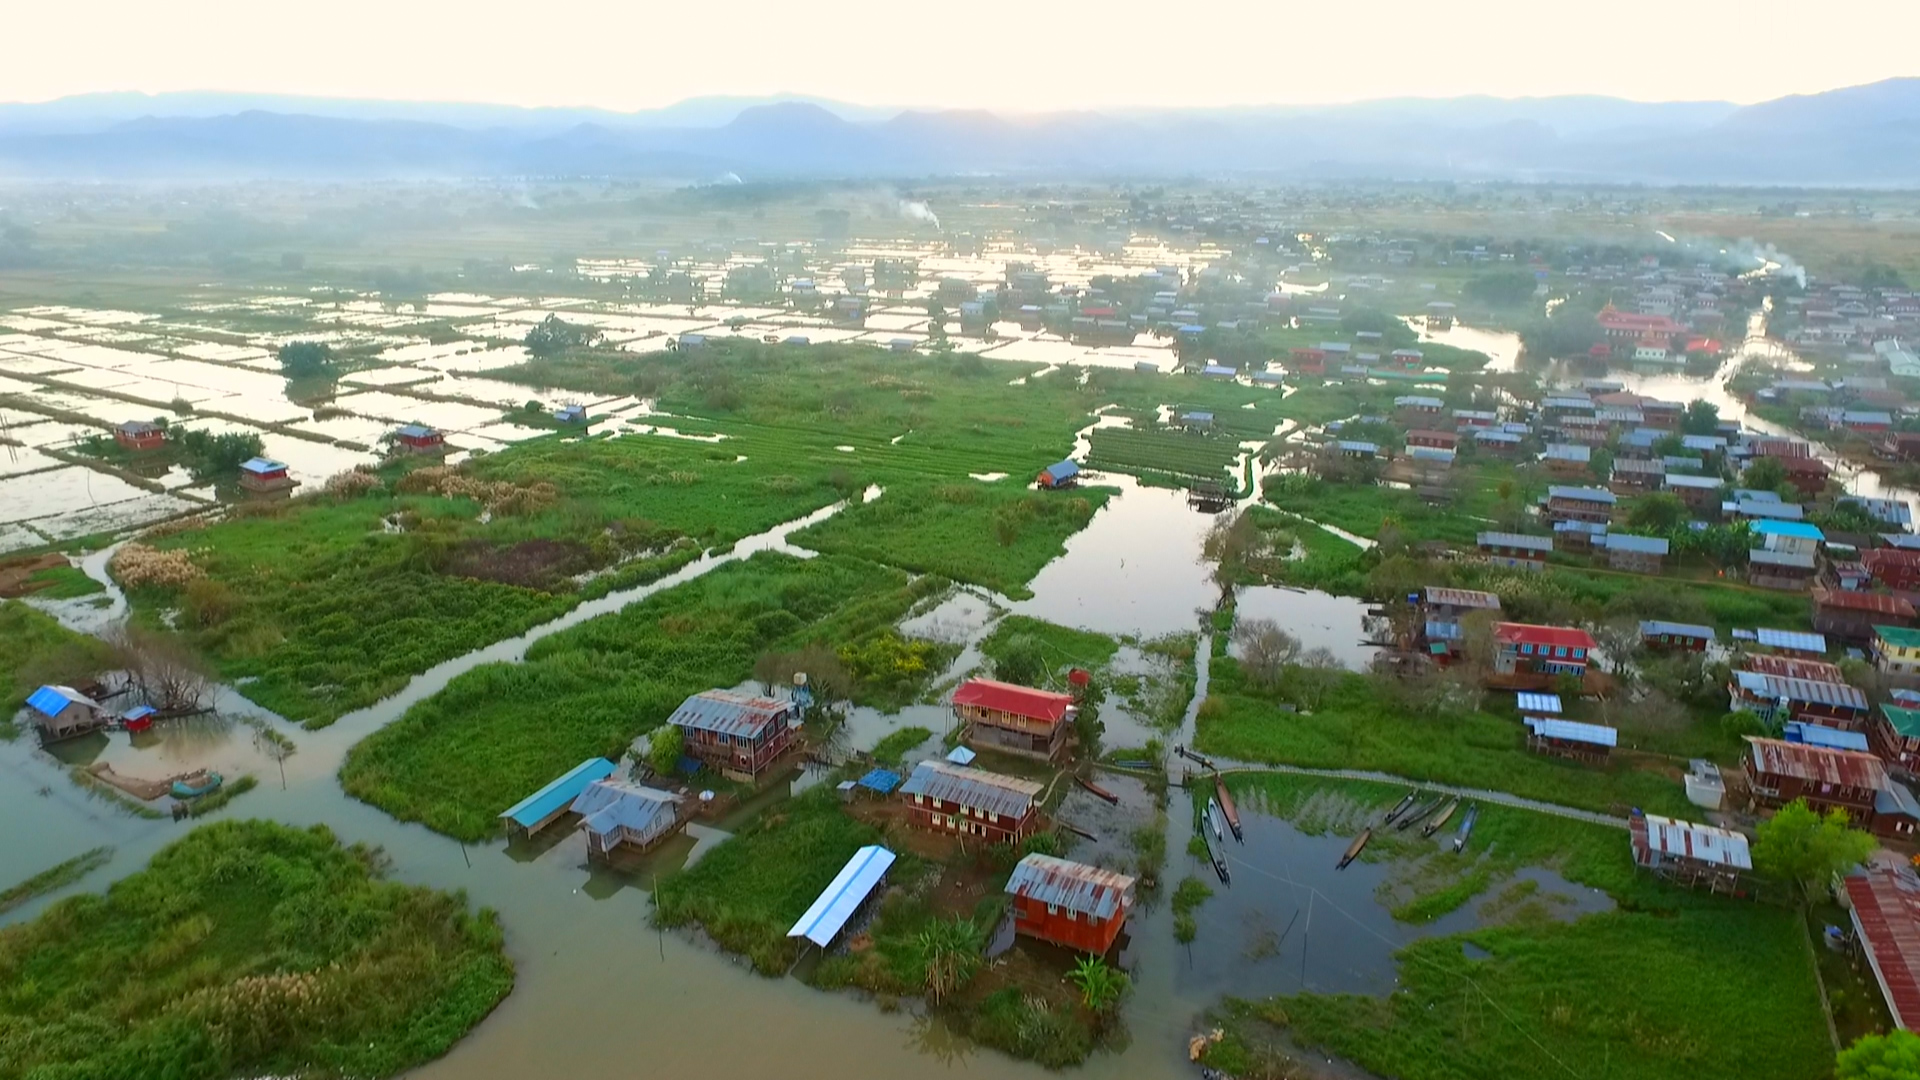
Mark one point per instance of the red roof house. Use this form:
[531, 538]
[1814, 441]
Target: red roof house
[1895, 568]
[1524, 648]
[1014, 719]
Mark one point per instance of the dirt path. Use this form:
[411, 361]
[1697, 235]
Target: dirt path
[1499, 797]
[148, 790]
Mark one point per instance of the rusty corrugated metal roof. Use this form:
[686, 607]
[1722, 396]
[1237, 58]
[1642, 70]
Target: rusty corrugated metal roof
[1775, 757]
[1088, 890]
[1886, 915]
[977, 788]
[726, 712]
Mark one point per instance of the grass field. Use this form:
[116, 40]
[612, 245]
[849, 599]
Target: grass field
[499, 732]
[35, 648]
[747, 892]
[247, 949]
[1162, 452]
[1356, 729]
[991, 534]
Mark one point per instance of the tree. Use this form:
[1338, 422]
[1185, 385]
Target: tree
[1893, 1056]
[1702, 418]
[168, 672]
[1265, 651]
[1740, 723]
[554, 335]
[1502, 288]
[1230, 543]
[1022, 660]
[1800, 845]
[1764, 474]
[1101, 987]
[306, 360]
[1314, 677]
[1619, 639]
[665, 748]
[1658, 512]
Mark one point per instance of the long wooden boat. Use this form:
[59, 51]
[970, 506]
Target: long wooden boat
[1219, 864]
[1401, 806]
[1413, 816]
[1213, 820]
[1076, 830]
[1466, 828]
[1226, 806]
[1097, 790]
[1440, 822]
[1353, 850]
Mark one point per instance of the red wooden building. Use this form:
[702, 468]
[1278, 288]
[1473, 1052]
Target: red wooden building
[258, 476]
[1885, 905]
[1013, 719]
[1439, 440]
[1307, 361]
[1794, 667]
[1525, 648]
[1895, 568]
[950, 798]
[139, 436]
[1068, 903]
[419, 439]
[1846, 780]
[741, 735]
[1851, 614]
[1808, 475]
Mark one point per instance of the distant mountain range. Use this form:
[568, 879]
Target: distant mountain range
[1865, 136]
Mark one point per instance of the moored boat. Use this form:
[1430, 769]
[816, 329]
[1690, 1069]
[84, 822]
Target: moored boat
[1413, 816]
[1466, 828]
[1440, 822]
[1401, 806]
[192, 787]
[1353, 850]
[1227, 809]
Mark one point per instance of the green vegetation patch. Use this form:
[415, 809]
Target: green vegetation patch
[892, 750]
[54, 877]
[1059, 646]
[1701, 993]
[499, 732]
[1358, 727]
[1164, 452]
[995, 535]
[747, 892]
[247, 948]
[62, 583]
[35, 649]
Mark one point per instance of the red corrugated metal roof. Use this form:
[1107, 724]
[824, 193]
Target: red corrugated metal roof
[1850, 600]
[1886, 910]
[1879, 559]
[1529, 633]
[1018, 700]
[1817, 763]
[1792, 667]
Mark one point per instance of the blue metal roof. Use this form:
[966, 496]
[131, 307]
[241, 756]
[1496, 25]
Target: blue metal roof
[49, 700]
[414, 431]
[1832, 738]
[139, 711]
[881, 780]
[1799, 640]
[1198, 417]
[1572, 731]
[1065, 470]
[1798, 530]
[1652, 627]
[261, 465]
[1539, 703]
[960, 755]
[848, 890]
[541, 804]
[607, 805]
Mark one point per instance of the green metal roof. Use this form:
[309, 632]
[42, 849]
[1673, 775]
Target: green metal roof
[1899, 637]
[1905, 721]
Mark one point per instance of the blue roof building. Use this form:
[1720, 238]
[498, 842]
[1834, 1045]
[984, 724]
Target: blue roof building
[538, 810]
[844, 896]
[616, 815]
[1059, 475]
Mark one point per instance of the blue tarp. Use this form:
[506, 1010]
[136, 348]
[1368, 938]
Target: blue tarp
[540, 805]
[881, 780]
[849, 889]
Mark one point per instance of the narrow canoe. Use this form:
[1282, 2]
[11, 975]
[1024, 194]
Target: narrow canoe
[1097, 790]
[1226, 806]
[1440, 822]
[1354, 849]
[1401, 806]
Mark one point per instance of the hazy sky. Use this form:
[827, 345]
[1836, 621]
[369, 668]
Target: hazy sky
[1003, 54]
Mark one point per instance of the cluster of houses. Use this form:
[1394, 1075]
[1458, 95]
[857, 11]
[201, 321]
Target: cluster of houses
[265, 478]
[746, 737]
[1860, 326]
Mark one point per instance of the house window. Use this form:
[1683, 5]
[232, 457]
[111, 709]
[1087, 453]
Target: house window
[1559, 650]
[1526, 649]
[1051, 910]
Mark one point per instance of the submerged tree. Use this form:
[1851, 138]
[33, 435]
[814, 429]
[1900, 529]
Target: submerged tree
[554, 335]
[169, 673]
[306, 360]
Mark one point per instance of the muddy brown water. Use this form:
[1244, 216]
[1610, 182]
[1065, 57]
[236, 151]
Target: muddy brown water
[598, 990]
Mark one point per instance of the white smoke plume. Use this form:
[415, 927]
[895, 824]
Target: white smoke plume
[915, 210]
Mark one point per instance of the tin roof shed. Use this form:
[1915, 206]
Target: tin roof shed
[982, 790]
[538, 806]
[850, 888]
[726, 712]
